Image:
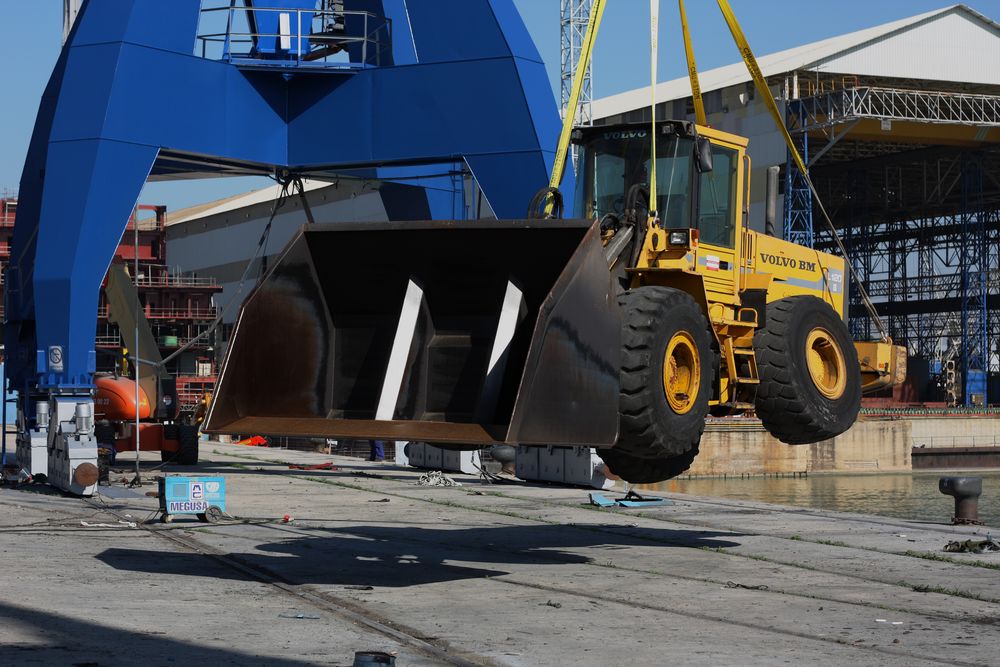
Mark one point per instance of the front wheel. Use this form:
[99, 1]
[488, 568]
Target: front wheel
[634, 470]
[810, 378]
[668, 367]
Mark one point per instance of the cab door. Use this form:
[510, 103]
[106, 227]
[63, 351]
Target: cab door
[720, 204]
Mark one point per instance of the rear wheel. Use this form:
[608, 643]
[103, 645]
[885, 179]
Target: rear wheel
[187, 435]
[646, 471]
[810, 379]
[666, 379]
[106, 435]
[170, 432]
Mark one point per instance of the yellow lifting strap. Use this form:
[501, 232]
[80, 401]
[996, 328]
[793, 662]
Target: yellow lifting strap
[587, 49]
[765, 94]
[699, 104]
[654, 48]
[759, 81]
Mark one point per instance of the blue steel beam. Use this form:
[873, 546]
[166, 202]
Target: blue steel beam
[466, 84]
[798, 197]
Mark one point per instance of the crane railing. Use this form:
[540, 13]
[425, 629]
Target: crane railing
[302, 37]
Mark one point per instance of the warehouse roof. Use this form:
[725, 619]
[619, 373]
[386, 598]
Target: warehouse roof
[922, 46]
[242, 200]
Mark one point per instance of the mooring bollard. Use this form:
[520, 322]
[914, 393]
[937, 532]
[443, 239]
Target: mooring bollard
[373, 659]
[966, 492]
[505, 455]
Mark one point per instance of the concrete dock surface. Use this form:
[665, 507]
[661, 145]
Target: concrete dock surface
[478, 574]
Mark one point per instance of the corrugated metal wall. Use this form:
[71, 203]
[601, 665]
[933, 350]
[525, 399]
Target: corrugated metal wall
[953, 47]
[220, 245]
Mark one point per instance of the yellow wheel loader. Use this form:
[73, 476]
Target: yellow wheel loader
[621, 330]
[716, 318]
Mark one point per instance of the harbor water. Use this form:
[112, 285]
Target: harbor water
[912, 496]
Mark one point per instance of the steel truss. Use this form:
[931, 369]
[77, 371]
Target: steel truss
[924, 236]
[921, 224]
[845, 105]
[798, 196]
[574, 15]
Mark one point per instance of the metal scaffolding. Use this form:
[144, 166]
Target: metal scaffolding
[573, 18]
[798, 196]
[846, 105]
[922, 229]
[70, 10]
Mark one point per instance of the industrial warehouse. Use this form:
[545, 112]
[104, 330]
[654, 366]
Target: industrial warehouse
[463, 328]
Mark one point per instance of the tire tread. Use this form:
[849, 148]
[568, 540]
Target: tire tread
[791, 413]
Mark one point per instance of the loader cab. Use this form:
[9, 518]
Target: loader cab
[702, 178]
[696, 176]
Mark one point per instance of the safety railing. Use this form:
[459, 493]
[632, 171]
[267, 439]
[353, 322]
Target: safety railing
[300, 37]
[955, 441]
[147, 225]
[178, 341]
[929, 410]
[171, 313]
[115, 340]
[939, 286]
[108, 341]
[888, 104]
[176, 281]
[191, 389]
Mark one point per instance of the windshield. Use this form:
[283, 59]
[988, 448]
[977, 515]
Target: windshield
[616, 160]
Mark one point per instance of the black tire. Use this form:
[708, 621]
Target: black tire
[213, 515]
[170, 432]
[188, 437]
[634, 470]
[789, 403]
[649, 428]
[106, 435]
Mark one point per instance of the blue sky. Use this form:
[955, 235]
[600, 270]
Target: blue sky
[34, 31]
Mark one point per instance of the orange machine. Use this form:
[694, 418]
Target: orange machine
[116, 410]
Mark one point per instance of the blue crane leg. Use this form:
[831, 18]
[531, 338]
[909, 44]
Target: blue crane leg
[80, 225]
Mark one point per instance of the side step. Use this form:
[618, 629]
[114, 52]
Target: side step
[741, 363]
[739, 359]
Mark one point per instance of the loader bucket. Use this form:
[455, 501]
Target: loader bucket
[463, 333]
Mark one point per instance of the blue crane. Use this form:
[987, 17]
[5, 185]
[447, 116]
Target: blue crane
[142, 92]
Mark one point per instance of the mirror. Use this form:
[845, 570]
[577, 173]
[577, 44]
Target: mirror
[771, 200]
[703, 155]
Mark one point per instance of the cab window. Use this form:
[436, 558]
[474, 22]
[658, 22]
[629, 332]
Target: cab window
[717, 199]
[610, 176]
[673, 182]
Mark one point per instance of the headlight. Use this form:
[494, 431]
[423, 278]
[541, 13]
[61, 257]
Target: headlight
[678, 238]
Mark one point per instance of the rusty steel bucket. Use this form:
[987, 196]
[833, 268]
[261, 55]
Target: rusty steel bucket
[462, 333]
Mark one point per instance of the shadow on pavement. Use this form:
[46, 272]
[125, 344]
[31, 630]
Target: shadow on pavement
[65, 640]
[399, 557]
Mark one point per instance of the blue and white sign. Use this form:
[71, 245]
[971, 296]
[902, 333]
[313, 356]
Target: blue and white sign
[194, 495]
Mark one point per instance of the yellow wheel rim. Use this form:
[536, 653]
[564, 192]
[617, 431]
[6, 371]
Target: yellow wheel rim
[681, 372]
[825, 361]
